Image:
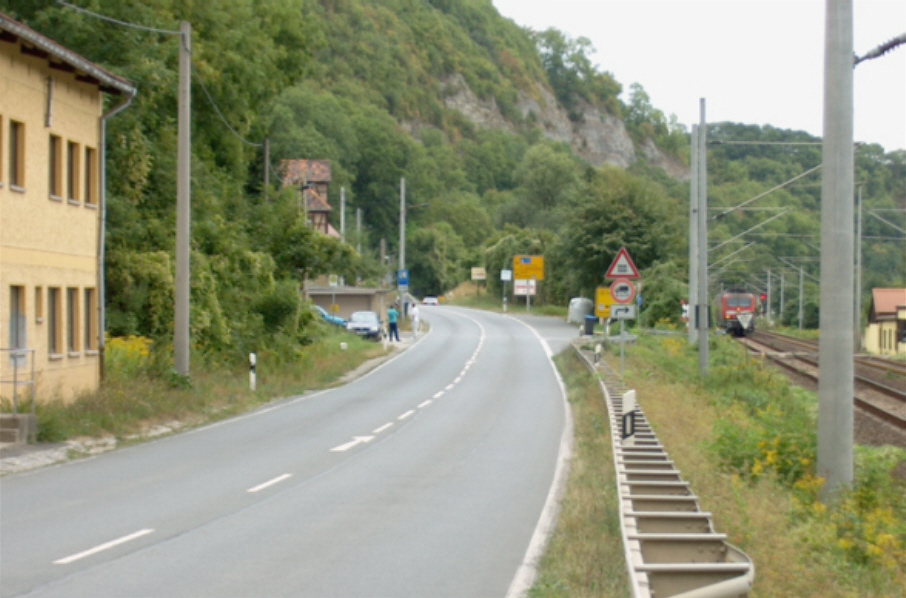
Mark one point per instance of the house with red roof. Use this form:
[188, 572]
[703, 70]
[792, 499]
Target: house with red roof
[886, 332]
[312, 178]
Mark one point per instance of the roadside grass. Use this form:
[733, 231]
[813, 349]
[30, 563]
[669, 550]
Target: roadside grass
[585, 553]
[746, 440]
[141, 391]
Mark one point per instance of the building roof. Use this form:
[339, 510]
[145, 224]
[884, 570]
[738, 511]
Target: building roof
[59, 57]
[368, 291]
[884, 303]
[300, 172]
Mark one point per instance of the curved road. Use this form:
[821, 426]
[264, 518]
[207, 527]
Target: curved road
[433, 475]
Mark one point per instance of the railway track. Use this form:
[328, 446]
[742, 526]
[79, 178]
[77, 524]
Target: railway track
[879, 384]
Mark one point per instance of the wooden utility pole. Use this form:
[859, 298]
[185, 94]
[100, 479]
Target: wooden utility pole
[183, 204]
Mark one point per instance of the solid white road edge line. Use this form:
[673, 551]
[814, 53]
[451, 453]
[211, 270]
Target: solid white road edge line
[528, 570]
[269, 483]
[103, 547]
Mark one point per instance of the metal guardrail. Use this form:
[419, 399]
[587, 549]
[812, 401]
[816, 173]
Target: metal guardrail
[671, 547]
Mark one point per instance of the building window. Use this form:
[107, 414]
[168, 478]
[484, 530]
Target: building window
[56, 167]
[55, 321]
[73, 328]
[17, 329]
[73, 160]
[91, 176]
[39, 305]
[17, 154]
[91, 320]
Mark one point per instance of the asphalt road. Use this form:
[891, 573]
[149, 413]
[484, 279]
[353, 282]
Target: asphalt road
[433, 475]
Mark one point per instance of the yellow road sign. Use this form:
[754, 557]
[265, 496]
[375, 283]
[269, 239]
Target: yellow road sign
[603, 302]
[528, 267]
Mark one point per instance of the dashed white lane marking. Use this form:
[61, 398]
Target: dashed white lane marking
[103, 547]
[356, 440]
[269, 483]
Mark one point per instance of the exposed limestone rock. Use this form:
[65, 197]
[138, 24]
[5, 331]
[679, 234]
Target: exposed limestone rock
[656, 157]
[598, 137]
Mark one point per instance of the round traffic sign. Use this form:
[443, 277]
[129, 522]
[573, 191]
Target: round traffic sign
[622, 291]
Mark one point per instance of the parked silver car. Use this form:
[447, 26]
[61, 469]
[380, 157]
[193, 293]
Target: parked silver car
[365, 323]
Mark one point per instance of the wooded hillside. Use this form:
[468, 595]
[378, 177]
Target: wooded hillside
[362, 83]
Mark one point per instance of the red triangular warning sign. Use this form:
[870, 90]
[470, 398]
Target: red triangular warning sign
[622, 266]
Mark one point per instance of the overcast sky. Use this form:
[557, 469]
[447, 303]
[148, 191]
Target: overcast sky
[756, 62]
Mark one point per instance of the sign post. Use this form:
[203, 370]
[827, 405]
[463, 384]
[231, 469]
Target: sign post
[402, 286]
[505, 276]
[478, 274]
[529, 268]
[622, 270]
[524, 287]
[333, 280]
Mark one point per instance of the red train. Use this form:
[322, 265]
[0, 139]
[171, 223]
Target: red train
[736, 311]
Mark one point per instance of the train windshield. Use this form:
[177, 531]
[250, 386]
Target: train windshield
[739, 301]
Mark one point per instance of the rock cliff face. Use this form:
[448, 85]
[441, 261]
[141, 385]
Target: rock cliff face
[599, 138]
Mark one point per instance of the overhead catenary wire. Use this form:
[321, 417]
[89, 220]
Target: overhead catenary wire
[719, 142]
[768, 192]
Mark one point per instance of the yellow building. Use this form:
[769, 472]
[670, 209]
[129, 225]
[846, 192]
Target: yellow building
[51, 148]
[886, 332]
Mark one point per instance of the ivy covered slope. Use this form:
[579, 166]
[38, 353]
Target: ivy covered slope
[483, 119]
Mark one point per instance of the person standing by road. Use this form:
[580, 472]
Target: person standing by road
[413, 315]
[392, 318]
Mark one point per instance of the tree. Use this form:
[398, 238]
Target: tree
[616, 209]
[572, 75]
[435, 258]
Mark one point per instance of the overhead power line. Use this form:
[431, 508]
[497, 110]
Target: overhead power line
[219, 113]
[185, 45]
[116, 21]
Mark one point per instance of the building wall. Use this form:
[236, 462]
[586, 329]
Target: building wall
[347, 302]
[48, 236]
[881, 338]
